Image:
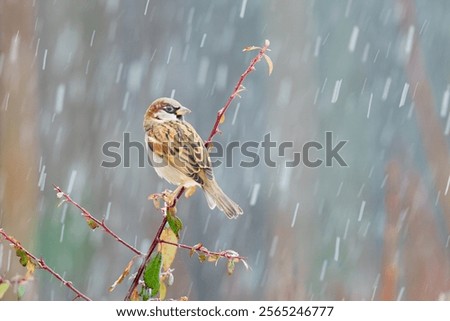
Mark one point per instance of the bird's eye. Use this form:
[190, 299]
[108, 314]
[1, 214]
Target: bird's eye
[169, 109]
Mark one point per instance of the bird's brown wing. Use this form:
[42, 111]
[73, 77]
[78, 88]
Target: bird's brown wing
[178, 144]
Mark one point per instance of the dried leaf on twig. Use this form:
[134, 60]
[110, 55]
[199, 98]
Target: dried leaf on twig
[124, 274]
[156, 198]
[91, 223]
[230, 266]
[250, 48]
[269, 63]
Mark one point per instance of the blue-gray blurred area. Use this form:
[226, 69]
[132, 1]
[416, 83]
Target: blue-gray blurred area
[78, 74]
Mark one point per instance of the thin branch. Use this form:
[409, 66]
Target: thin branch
[41, 263]
[227, 254]
[88, 216]
[236, 91]
[152, 248]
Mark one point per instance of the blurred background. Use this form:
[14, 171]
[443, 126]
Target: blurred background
[77, 74]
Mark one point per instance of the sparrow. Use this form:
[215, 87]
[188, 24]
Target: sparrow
[178, 153]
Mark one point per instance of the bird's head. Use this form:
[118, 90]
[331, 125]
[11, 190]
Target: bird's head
[164, 109]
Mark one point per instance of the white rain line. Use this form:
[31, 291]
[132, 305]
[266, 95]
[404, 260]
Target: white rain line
[365, 52]
[61, 237]
[409, 39]
[387, 85]
[448, 185]
[444, 105]
[404, 94]
[119, 72]
[255, 193]
[436, 201]
[86, 70]
[383, 183]
[6, 102]
[370, 104]
[273, 246]
[353, 39]
[169, 55]
[44, 60]
[125, 100]
[375, 286]
[294, 218]
[146, 7]
[92, 38]
[400, 293]
[347, 8]
[323, 270]
[447, 126]
[8, 262]
[108, 211]
[235, 113]
[361, 210]
[73, 176]
[59, 101]
[337, 89]
[243, 7]
[317, 46]
[37, 47]
[347, 224]
[336, 249]
[42, 177]
[202, 43]
[339, 189]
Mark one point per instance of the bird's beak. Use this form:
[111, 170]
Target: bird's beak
[182, 111]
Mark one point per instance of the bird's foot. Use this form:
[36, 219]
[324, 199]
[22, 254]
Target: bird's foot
[190, 191]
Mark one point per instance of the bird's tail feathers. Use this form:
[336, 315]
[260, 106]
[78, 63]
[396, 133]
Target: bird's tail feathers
[216, 197]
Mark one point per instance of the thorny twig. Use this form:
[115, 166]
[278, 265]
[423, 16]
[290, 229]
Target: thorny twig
[41, 263]
[89, 217]
[238, 88]
[152, 248]
[227, 254]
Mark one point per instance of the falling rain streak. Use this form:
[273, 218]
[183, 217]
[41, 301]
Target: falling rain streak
[353, 39]
[336, 249]
[255, 193]
[404, 94]
[361, 211]
[243, 7]
[370, 105]
[294, 217]
[337, 88]
[444, 104]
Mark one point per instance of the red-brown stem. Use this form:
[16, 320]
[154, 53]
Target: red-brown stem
[152, 248]
[235, 92]
[101, 223]
[145, 261]
[44, 266]
[224, 254]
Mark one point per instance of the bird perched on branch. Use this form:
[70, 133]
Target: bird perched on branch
[179, 155]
